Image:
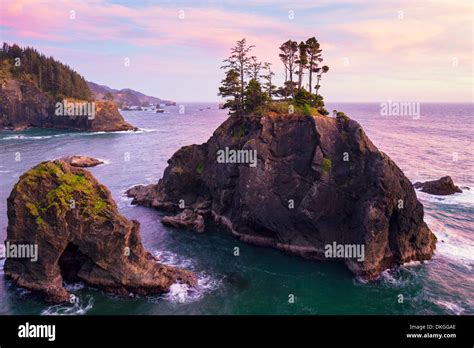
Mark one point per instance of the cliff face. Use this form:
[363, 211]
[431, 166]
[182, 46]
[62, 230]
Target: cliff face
[23, 105]
[80, 236]
[317, 181]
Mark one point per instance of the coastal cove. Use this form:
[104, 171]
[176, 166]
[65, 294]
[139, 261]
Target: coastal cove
[260, 280]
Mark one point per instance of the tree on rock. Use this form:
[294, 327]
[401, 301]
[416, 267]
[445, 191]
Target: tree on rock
[314, 58]
[239, 61]
[288, 57]
[254, 96]
[230, 87]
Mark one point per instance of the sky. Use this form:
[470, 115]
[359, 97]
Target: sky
[377, 51]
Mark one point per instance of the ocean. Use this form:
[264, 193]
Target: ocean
[260, 280]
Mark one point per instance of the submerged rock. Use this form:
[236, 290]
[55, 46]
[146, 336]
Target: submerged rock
[316, 181]
[81, 161]
[441, 187]
[80, 236]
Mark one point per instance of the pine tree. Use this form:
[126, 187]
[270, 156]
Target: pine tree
[288, 57]
[239, 61]
[301, 62]
[230, 87]
[314, 58]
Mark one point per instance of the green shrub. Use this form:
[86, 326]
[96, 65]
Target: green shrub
[327, 165]
[200, 168]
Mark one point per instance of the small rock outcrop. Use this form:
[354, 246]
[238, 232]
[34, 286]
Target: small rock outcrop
[441, 187]
[186, 219]
[80, 236]
[81, 161]
[316, 183]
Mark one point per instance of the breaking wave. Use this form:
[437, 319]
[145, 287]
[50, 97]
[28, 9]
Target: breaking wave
[184, 293]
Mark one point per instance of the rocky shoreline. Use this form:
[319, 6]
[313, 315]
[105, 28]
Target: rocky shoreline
[23, 106]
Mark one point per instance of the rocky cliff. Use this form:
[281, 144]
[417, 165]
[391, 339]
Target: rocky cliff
[126, 96]
[23, 105]
[80, 236]
[316, 182]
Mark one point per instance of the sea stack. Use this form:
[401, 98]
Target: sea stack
[442, 187]
[317, 181]
[80, 236]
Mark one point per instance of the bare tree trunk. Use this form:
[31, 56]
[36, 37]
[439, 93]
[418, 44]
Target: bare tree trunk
[317, 84]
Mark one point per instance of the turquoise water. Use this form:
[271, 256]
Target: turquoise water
[260, 280]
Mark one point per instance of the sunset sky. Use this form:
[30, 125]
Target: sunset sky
[376, 50]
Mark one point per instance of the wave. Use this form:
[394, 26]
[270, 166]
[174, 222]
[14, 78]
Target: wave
[451, 243]
[79, 308]
[106, 161]
[184, 293]
[464, 198]
[450, 306]
[72, 134]
[32, 137]
[390, 277]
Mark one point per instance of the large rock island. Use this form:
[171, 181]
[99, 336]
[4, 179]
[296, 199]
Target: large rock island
[80, 236]
[317, 182]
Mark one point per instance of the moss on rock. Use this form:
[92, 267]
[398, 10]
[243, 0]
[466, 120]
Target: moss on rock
[72, 191]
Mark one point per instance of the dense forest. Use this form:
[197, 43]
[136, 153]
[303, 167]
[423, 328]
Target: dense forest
[49, 75]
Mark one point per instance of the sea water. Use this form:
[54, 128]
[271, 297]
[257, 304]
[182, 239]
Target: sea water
[261, 280]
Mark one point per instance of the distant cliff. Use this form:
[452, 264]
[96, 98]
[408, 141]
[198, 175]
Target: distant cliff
[34, 89]
[125, 97]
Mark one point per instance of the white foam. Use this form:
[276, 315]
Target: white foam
[74, 286]
[388, 277]
[106, 161]
[184, 293]
[79, 308]
[177, 293]
[465, 198]
[451, 244]
[171, 259]
[31, 137]
[451, 306]
[411, 264]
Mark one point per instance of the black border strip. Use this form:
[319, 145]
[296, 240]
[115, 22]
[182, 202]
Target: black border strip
[261, 330]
